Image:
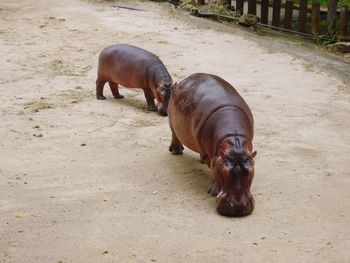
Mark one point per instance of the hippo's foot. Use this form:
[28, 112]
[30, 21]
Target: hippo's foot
[100, 97]
[213, 189]
[205, 159]
[176, 149]
[118, 97]
[152, 108]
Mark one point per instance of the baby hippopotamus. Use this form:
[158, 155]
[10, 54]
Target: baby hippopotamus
[207, 115]
[134, 67]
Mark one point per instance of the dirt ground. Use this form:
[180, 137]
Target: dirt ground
[83, 180]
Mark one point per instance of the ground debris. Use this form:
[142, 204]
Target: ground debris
[36, 106]
[340, 47]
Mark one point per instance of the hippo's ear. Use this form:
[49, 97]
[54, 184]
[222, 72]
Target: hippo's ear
[224, 151]
[254, 154]
[174, 85]
[216, 162]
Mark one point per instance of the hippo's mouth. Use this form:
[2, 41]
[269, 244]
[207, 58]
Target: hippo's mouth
[230, 205]
[162, 110]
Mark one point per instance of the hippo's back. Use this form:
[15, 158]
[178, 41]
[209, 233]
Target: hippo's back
[123, 62]
[129, 54]
[195, 99]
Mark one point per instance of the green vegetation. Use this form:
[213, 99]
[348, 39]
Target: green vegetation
[342, 3]
[323, 3]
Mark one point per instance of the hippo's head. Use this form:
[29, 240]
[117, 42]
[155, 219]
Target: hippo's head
[163, 91]
[233, 172]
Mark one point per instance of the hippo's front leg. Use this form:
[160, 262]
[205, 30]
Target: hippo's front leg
[205, 159]
[176, 146]
[150, 100]
[213, 189]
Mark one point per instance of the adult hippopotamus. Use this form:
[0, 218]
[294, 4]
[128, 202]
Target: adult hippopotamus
[207, 115]
[134, 67]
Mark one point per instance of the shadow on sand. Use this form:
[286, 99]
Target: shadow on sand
[193, 179]
[130, 101]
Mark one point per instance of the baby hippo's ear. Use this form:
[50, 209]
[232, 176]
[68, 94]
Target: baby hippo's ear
[254, 154]
[160, 83]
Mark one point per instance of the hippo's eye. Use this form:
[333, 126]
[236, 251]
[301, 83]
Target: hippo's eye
[246, 165]
[165, 91]
[226, 171]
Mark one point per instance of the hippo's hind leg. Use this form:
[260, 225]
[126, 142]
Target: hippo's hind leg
[176, 146]
[99, 88]
[150, 100]
[115, 90]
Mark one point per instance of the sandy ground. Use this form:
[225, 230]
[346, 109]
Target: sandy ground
[83, 180]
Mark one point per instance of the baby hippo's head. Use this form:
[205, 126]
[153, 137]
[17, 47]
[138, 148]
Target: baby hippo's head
[162, 95]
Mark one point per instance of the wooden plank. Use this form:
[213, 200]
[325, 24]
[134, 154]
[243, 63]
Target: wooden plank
[343, 23]
[264, 11]
[302, 15]
[315, 18]
[239, 6]
[228, 3]
[332, 9]
[252, 7]
[276, 12]
[288, 14]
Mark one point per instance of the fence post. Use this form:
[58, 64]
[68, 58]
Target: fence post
[228, 3]
[276, 12]
[264, 11]
[302, 15]
[331, 16]
[288, 14]
[200, 2]
[315, 18]
[252, 7]
[239, 6]
[332, 9]
[343, 24]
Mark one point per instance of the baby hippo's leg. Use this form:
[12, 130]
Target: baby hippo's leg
[115, 90]
[99, 89]
[150, 100]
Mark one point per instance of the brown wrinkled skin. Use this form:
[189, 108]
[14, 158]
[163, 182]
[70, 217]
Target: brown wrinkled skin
[134, 67]
[207, 115]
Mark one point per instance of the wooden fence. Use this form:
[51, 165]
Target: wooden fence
[306, 19]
